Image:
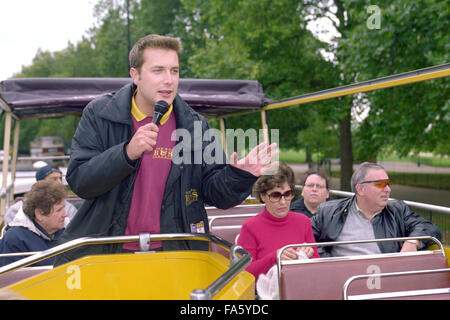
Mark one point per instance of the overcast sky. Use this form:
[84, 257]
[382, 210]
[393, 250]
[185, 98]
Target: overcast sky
[27, 25]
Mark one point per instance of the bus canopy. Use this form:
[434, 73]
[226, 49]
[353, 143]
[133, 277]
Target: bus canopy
[54, 97]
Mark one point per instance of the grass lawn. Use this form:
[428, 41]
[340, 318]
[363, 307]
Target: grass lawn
[299, 156]
[431, 161]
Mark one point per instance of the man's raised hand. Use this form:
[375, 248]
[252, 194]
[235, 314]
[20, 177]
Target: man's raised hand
[260, 160]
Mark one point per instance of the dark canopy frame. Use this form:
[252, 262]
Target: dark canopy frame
[52, 97]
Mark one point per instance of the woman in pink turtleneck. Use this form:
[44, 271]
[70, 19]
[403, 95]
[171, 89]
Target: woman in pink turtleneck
[275, 227]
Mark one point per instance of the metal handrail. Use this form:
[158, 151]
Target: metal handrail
[238, 256]
[335, 243]
[389, 274]
[419, 205]
[64, 157]
[18, 254]
[237, 215]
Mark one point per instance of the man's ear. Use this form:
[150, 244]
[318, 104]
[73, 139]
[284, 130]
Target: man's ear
[134, 74]
[359, 189]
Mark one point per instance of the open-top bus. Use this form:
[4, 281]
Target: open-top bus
[218, 273]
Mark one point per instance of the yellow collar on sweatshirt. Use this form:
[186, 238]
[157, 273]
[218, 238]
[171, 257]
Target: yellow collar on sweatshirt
[139, 115]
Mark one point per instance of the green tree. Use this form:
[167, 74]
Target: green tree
[375, 41]
[276, 49]
[411, 35]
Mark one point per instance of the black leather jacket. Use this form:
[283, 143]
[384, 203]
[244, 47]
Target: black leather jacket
[395, 220]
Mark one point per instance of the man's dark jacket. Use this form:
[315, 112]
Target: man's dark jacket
[100, 172]
[299, 206]
[395, 220]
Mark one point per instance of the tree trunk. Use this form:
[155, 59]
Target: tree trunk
[308, 157]
[346, 152]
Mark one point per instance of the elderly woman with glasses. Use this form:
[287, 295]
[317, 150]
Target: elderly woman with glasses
[275, 227]
[38, 224]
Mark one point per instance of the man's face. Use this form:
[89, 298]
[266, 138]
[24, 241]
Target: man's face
[376, 197]
[314, 191]
[54, 176]
[158, 77]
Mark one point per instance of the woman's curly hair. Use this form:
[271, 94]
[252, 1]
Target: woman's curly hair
[268, 182]
[43, 195]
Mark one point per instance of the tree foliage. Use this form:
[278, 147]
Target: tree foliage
[412, 35]
[269, 40]
[276, 49]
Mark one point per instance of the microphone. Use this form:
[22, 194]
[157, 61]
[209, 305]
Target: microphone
[161, 108]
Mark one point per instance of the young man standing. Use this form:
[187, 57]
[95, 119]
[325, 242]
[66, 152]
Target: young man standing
[121, 160]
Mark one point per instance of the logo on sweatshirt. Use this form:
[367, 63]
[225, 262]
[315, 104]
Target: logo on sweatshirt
[191, 196]
[162, 153]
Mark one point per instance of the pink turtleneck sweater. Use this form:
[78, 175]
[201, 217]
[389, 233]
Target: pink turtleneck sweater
[264, 234]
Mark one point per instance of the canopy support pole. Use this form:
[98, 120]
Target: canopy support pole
[14, 157]
[264, 125]
[223, 126]
[6, 142]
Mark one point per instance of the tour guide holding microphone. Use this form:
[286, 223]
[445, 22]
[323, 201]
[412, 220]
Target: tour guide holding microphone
[121, 161]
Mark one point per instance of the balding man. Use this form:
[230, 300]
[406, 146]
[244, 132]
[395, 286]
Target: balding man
[369, 215]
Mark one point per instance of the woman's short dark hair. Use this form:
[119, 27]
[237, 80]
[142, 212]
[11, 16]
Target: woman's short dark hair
[43, 195]
[268, 182]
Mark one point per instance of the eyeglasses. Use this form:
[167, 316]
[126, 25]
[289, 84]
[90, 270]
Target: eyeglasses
[381, 184]
[312, 185]
[276, 196]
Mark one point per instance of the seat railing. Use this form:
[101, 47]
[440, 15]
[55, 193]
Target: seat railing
[341, 258]
[239, 258]
[395, 294]
[230, 216]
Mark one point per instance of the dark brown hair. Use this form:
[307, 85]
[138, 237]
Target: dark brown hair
[268, 182]
[324, 177]
[43, 195]
[155, 41]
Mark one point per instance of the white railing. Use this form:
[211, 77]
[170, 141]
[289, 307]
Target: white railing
[419, 205]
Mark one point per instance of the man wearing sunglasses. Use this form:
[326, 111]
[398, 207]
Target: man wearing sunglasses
[369, 215]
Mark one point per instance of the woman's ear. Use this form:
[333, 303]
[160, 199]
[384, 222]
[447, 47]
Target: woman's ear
[38, 213]
[263, 196]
